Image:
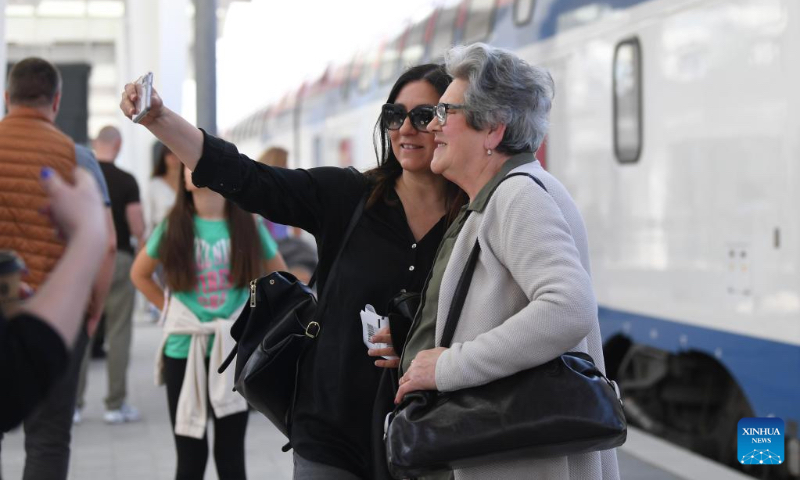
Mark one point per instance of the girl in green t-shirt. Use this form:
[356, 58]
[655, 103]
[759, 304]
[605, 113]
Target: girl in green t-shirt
[210, 249]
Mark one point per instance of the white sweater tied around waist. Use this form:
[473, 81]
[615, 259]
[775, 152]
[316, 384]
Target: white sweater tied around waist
[191, 416]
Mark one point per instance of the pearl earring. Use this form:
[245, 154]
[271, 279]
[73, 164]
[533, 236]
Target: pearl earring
[489, 152]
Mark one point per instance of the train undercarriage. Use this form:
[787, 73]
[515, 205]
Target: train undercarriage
[691, 400]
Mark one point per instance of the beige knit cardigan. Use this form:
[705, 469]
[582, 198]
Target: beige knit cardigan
[530, 300]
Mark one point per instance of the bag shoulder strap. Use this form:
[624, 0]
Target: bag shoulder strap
[462, 287]
[350, 227]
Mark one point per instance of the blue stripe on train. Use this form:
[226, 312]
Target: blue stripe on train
[768, 372]
[556, 16]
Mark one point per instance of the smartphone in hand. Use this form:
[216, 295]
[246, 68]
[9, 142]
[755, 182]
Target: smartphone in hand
[144, 88]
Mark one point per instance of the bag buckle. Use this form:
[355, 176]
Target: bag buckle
[386, 421]
[312, 332]
[617, 391]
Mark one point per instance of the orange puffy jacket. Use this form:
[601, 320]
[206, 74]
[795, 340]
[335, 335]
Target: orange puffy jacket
[28, 142]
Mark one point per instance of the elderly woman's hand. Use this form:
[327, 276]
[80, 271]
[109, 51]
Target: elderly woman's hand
[421, 375]
[384, 336]
[130, 98]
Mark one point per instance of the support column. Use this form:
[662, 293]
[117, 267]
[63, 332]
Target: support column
[155, 39]
[205, 61]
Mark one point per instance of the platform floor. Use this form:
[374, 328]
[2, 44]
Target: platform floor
[144, 450]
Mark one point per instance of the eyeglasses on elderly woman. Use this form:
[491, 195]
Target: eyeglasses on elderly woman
[393, 116]
[444, 108]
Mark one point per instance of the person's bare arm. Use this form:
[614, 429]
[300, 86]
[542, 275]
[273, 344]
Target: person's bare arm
[142, 277]
[180, 136]
[135, 218]
[275, 264]
[77, 212]
[103, 282]
[301, 273]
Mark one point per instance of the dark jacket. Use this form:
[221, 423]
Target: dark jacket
[32, 358]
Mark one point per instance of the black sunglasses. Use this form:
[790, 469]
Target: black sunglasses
[393, 116]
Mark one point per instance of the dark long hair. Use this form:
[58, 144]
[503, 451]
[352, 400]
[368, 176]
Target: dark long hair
[177, 251]
[389, 168]
[160, 152]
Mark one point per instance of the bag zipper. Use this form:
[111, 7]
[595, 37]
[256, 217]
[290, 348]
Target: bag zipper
[252, 293]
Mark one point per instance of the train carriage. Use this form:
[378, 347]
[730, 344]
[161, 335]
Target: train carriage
[676, 127]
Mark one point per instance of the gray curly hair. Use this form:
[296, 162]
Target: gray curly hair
[503, 89]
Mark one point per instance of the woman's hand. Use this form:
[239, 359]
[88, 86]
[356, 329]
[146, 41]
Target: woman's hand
[130, 98]
[384, 336]
[421, 375]
[180, 136]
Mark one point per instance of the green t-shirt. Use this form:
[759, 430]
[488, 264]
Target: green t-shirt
[213, 296]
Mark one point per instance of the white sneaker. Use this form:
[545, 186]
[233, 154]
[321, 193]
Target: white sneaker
[126, 413]
[76, 417]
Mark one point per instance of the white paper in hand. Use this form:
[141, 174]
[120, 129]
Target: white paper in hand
[371, 322]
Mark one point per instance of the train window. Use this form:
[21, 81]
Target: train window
[344, 82]
[443, 33]
[264, 121]
[628, 101]
[523, 11]
[391, 53]
[479, 21]
[415, 47]
[317, 154]
[368, 68]
[251, 126]
[355, 73]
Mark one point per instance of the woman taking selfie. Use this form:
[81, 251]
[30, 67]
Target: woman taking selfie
[391, 248]
[210, 249]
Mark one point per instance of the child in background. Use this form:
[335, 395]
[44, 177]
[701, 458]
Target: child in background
[210, 251]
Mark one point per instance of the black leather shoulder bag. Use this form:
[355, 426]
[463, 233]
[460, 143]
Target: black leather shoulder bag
[277, 325]
[563, 407]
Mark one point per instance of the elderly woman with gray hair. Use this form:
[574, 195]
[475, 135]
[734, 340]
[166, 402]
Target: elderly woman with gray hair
[530, 298]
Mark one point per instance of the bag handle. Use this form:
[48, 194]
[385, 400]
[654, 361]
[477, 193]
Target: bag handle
[462, 288]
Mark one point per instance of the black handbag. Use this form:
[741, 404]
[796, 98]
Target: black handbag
[278, 324]
[563, 407]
